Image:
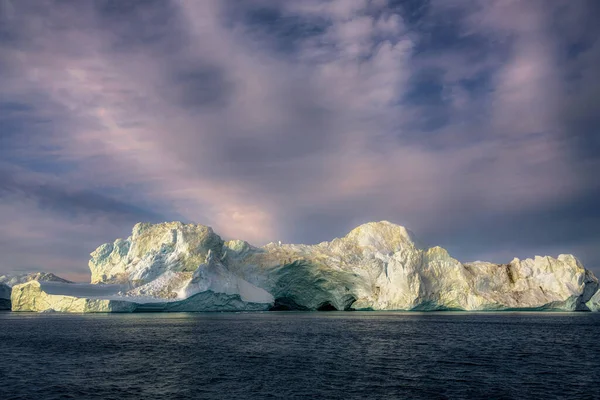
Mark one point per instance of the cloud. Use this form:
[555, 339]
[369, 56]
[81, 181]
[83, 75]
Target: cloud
[55, 196]
[298, 120]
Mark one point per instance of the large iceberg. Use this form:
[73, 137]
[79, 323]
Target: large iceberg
[377, 266]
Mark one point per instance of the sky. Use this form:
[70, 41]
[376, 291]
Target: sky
[473, 123]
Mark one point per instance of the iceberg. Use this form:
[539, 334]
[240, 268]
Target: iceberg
[174, 266]
[35, 296]
[8, 281]
[65, 297]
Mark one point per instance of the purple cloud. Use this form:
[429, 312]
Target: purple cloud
[297, 121]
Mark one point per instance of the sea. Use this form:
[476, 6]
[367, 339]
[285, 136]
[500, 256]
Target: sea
[300, 355]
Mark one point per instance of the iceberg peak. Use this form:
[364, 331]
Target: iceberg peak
[382, 235]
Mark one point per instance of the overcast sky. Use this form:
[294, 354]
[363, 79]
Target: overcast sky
[473, 123]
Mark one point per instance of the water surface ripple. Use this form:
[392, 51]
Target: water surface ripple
[336, 355]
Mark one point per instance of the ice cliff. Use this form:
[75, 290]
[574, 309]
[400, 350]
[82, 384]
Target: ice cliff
[377, 266]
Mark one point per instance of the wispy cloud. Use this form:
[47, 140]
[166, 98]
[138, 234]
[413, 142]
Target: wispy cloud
[297, 120]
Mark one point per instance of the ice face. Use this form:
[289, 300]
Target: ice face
[214, 276]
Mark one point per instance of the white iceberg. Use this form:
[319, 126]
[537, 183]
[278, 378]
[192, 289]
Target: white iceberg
[377, 266]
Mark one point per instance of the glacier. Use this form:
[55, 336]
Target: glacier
[174, 266]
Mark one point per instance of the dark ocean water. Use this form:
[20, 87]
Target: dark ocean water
[337, 355]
